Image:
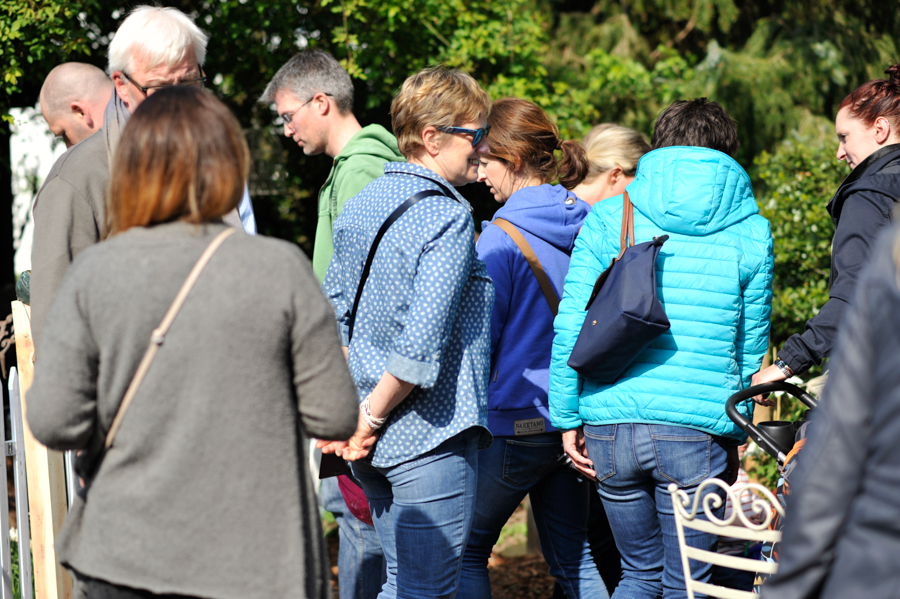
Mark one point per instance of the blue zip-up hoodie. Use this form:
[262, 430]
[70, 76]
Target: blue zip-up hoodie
[714, 278]
[549, 217]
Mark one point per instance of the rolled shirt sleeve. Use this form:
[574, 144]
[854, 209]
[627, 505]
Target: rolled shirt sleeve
[441, 273]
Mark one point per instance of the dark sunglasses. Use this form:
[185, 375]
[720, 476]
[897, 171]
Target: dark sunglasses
[477, 134]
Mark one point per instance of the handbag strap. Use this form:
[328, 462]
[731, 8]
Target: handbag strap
[626, 236]
[384, 227]
[159, 334]
[533, 262]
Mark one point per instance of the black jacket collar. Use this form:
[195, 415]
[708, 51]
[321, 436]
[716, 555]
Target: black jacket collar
[874, 163]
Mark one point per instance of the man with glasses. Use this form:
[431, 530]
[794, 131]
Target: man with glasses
[313, 95]
[153, 48]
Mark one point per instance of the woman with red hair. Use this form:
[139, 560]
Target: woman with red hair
[868, 132]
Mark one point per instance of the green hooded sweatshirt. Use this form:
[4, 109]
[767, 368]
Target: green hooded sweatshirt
[361, 161]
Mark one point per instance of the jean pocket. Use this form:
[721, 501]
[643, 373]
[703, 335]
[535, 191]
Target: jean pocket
[526, 462]
[682, 454]
[601, 445]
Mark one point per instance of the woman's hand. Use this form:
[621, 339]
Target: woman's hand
[573, 444]
[356, 447]
[361, 442]
[772, 374]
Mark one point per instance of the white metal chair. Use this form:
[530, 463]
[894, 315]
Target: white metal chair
[736, 525]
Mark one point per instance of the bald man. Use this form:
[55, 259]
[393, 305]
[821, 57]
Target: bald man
[73, 98]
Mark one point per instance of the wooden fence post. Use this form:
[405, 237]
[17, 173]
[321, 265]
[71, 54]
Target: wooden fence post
[46, 479]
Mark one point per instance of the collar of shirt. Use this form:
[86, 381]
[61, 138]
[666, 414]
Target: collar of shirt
[405, 168]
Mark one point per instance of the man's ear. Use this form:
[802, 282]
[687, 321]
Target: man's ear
[121, 87]
[882, 130]
[80, 111]
[321, 104]
[431, 140]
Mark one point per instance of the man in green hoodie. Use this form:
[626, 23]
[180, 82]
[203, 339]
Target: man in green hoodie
[313, 95]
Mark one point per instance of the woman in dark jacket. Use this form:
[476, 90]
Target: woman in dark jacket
[527, 456]
[868, 131]
[205, 490]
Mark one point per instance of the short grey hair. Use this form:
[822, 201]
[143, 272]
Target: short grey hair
[162, 35]
[311, 72]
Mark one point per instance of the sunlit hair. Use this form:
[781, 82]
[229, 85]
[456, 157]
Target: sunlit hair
[182, 156]
[162, 36]
[609, 145]
[524, 137]
[879, 97]
[439, 97]
[311, 72]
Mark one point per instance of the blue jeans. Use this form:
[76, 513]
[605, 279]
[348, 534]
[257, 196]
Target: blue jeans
[423, 512]
[361, 570]
[635, 464]
[534, 465]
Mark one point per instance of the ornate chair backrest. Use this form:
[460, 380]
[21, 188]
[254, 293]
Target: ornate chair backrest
[689, 513]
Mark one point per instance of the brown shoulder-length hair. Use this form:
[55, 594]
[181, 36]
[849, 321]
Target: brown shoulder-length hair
[182, 156]
[524, 137]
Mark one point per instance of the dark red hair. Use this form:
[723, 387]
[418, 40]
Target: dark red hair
[877, 98]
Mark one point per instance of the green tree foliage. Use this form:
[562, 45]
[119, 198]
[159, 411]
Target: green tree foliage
[797, 180]
[780, 68]
[34, 36]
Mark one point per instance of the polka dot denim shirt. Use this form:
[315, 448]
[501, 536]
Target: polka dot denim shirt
[425, 311]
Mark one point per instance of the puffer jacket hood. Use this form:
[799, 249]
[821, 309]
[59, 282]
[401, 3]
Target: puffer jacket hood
[692, 191]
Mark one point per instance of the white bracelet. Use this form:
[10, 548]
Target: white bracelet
[370, 420]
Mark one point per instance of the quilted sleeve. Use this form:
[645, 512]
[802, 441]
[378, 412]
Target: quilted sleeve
[753, 326]
[584, 268]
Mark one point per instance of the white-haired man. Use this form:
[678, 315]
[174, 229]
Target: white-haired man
[73, 98]
[153, 48]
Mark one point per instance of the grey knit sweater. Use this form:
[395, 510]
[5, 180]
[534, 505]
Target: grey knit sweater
[205, 491]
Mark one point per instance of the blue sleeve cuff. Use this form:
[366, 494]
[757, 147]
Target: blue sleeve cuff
[344, 334]
[421, 374]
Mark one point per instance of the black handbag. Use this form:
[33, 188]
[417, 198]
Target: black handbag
[624, 315]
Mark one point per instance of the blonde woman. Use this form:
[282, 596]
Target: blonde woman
[613, 152]
[420, 346]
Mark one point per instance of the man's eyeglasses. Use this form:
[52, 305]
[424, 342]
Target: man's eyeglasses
[149, 89]
[477, 134]
[288, 117]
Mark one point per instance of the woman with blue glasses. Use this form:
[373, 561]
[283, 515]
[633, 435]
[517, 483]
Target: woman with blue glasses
[417, 333]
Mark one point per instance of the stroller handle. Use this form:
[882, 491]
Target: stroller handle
[748, 427]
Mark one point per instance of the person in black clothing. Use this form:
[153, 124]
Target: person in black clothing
[842, 537]
[868, 131]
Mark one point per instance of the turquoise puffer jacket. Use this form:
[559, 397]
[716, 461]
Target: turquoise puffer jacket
[714, 277]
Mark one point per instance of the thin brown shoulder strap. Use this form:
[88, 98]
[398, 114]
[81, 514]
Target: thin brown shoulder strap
[533, 262]
[159, 334]
[626, 235]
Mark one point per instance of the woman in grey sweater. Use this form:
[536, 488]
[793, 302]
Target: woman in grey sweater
[205, 490]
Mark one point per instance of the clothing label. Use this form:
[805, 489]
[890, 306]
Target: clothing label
[532, 426]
